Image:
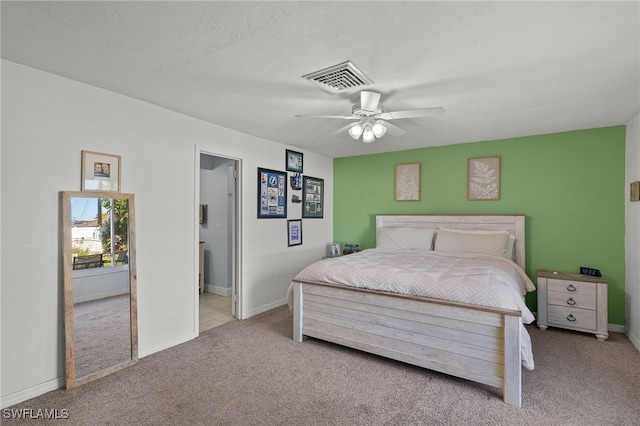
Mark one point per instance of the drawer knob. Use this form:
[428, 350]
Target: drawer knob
[571, 318]
[571, 301]
[571, 287]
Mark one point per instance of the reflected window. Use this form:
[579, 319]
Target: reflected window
[99, 232]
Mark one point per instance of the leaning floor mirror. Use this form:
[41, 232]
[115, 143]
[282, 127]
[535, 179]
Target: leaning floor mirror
[99, 274]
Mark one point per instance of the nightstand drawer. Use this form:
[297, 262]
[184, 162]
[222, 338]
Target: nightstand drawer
[571, 317]
[572, 287]
[572, 300]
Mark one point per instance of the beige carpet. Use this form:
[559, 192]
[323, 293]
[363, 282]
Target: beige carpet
[252, 373]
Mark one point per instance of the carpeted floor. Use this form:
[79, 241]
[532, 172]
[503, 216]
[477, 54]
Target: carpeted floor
[252, 373]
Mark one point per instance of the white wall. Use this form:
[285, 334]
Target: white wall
[98, 283]
[46, 122]
[632, 232]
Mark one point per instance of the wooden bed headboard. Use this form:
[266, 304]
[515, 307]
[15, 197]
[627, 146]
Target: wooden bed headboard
[513, 223]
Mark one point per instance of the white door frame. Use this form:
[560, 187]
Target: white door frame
[236, 252]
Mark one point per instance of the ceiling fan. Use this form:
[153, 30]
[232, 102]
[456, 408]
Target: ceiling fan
[372, 120]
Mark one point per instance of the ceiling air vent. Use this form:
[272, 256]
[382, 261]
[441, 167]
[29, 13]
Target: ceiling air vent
[339, 78]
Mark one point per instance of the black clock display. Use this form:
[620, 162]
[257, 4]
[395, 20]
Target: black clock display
[590, 271]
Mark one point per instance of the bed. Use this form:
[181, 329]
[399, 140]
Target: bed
[468, 324]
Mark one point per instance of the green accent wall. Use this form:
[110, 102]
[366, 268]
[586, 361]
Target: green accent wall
[570, 186]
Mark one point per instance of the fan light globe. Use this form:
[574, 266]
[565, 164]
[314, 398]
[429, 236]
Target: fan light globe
[355, 130]
[379, 129]
[367, 135]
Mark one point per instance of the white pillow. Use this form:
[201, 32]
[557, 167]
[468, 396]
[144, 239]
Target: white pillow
[496, 243]
[405, 238]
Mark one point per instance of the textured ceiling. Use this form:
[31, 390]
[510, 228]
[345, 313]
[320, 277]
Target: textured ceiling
[500, 69]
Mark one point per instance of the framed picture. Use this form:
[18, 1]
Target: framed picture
[100, 172]
[312, 197]
[272, 194]
[407, 182]
[294, 161]
[333, 250]
[483, 179]
[294, 231]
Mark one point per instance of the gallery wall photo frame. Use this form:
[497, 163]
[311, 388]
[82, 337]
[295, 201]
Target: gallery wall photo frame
[100, 171]
[483, 178]
[293, 161]
[407, 182]
[294, 232]
[312, 197]
[272, 193]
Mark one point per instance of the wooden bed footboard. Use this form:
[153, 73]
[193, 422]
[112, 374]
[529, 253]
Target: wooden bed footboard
[481, 344]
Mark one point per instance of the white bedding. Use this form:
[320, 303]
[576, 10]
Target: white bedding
[462, 277]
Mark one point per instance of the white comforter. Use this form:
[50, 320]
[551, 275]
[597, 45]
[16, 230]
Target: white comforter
[462, 277]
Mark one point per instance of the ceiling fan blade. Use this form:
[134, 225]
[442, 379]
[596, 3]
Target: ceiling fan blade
[344, 117]
[369, 100]
[394, 130]
[342, 130]
[412, 113]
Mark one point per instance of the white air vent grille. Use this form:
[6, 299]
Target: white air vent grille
[339, 78]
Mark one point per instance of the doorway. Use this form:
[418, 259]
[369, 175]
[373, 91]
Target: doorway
[217, 233]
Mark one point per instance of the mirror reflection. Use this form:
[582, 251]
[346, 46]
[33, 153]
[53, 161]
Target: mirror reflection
[100, 328]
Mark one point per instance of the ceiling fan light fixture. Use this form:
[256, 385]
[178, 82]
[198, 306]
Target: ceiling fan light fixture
[379, 128]
[367, 135]
[356, 130]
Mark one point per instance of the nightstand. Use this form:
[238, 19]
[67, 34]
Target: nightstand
[573, 301]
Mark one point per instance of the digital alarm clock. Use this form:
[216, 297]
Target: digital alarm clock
[590, 271]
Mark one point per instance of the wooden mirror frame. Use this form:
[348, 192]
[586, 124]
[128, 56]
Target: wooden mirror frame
[67, 269]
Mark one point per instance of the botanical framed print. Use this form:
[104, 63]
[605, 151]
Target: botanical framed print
[100, 172]
[483, 180]
[272, 194]
[294, 161]
[407, 182]
[294, 232]
[312, 197]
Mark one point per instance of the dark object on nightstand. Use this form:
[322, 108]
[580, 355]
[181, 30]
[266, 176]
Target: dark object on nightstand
[590, 271]
[351, 248]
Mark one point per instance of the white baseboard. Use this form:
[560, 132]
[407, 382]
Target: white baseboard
[216, 289]
[634, 339]
[32, 392]
[616, 328]
[264, 308]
